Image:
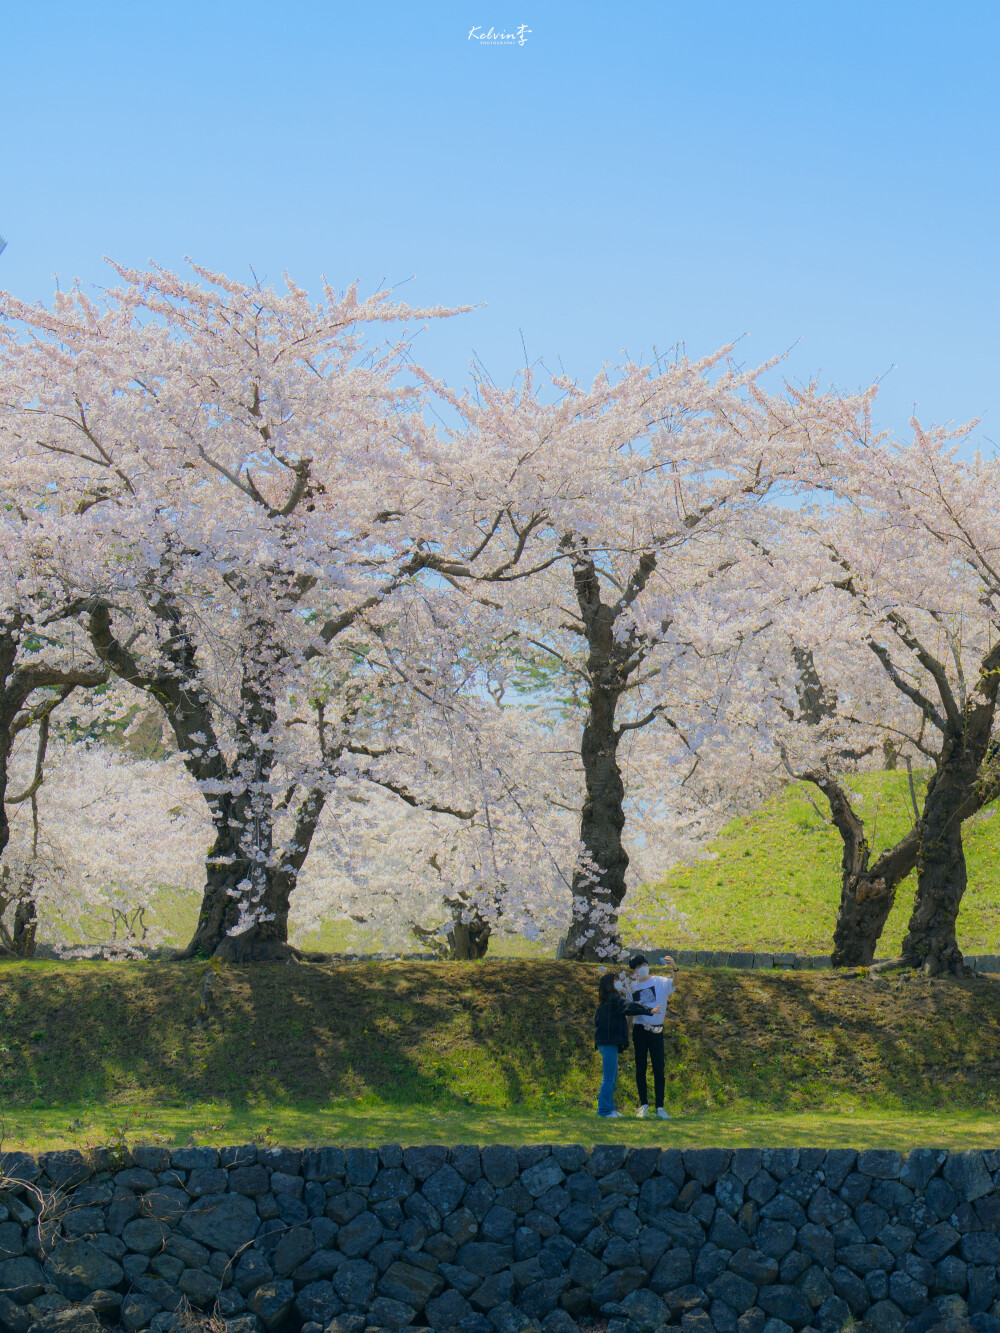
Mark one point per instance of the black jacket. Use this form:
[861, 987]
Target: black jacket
[610, 1028]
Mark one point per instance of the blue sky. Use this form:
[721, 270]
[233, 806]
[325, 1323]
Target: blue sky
[632, 176]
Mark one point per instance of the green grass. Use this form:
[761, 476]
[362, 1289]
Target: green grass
[775, 881]
[483, 1050]
[373, 1124]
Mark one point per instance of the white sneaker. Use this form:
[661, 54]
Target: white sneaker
[661, 1113]
[615, 1115]
[642, 1112]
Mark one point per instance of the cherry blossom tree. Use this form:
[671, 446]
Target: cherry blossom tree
[633, 497]
[255, 500]
[904, 565]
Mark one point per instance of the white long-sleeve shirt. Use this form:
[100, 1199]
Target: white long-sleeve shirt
[652, 992]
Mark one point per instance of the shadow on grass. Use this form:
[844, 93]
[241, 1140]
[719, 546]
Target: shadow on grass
[493, 1036]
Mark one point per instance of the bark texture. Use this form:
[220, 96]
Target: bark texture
[612, 658]
[955, 787]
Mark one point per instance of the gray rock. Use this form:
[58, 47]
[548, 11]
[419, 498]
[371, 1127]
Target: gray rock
[318, 1301]
[386, 1313]
[293, 1248]
[244, 1323]
[354, 1282]
[507, 1318]
[145, 1235]
[787, 1303]
[78, 1267]
[911, 1296]
[321, 1264]
[391, 1183]
[462, 1279]
[559, 1321]
[199, 1286]
[499, 1225]
[138, 1311]
[347, 1323]
[706, 1165]
[444, 1189]
[342, 1208]
[188, 1251]
[465, 1158]
[484, 1257]
[882, 1163]
[411, 1285]
[272, 1302]
[165, 1204]
[737, 1292]
[496, 1289]
[358, 1236]
[167, 1266]
[920, 1165]
[543, 1176]
[966, 1173]
[164, 1293]
[252, 1270]
[289, 1160]
[758, 1268]
[222, 1222]
[446, 1311]
[75, 1320]
[250, 1180]
[421, 1163]
[21, 1279]
[885, 1317]
[617, 1285]
[541, 1298]
[645, 1309]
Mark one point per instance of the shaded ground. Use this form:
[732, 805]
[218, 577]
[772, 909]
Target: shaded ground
[86, 1039]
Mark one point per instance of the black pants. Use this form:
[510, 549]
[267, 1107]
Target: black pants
[650, 1043]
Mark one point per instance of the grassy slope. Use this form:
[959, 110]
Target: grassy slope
[479, 1051]
[775, 882]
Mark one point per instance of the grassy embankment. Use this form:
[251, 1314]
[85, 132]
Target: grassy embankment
[495, 1051]
[775, 881]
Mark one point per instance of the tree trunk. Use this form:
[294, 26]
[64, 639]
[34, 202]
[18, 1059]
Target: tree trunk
[615, 651]
[866, 899]
[599, 883]
[469, 940]
[930, 941]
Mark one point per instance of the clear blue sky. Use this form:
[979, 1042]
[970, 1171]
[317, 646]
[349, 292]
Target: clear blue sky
[635, 174]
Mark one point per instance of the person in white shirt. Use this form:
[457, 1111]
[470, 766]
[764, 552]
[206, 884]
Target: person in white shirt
[647, 1032]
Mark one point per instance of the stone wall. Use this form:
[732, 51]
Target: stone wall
[500, 1239]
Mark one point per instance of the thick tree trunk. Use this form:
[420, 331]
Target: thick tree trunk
[225, 896]
[615, 650]
[599, 883]
[930, 942]
[469, 940]
[867, 893]
[866, 899]
[953, 792]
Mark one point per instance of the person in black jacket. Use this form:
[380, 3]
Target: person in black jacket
[611, 1036]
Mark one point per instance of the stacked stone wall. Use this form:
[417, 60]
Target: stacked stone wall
[500, 1240]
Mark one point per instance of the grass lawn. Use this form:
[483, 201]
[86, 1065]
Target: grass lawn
[498, 1050]
[774, 882]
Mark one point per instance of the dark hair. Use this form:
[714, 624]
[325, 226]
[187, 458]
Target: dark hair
[606, 987]
[638, 960]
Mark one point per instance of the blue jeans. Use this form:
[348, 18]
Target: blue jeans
[606, 1096]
